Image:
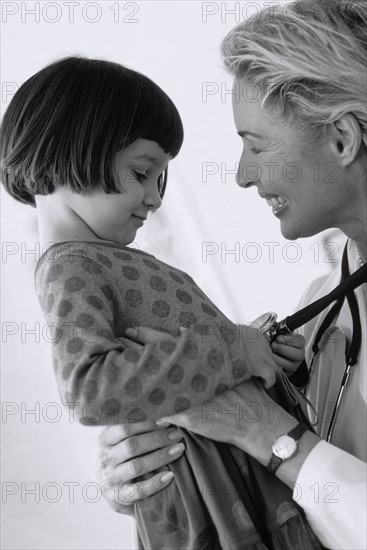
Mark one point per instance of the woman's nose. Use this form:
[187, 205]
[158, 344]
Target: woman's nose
[248, 173]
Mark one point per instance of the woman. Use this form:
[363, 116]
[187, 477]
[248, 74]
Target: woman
[305, 150]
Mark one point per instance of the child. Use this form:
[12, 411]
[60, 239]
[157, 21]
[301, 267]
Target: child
[88, 142]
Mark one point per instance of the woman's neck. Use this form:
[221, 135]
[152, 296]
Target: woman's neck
[357, 232]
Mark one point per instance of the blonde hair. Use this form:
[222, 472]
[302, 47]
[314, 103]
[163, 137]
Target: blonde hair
[308, 58]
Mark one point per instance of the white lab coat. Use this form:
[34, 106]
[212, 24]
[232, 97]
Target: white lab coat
[331, 485]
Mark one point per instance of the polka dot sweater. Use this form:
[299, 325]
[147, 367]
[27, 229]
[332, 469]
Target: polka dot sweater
[91, 293]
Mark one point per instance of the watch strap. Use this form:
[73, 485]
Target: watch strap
[298, 432]
[295, 434]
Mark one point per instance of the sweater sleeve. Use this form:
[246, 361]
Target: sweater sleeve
[107, 381]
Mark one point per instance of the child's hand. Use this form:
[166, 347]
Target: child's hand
[289, 352]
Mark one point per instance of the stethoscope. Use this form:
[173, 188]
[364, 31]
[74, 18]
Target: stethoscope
[269, 326]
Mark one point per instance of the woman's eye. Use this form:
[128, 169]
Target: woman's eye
[255, 150]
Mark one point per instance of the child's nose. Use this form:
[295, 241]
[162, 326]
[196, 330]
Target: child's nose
[152, 197]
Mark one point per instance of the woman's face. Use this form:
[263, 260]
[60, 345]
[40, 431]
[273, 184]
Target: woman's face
[302, 181]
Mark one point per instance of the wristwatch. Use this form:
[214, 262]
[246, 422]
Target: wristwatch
[285, 446]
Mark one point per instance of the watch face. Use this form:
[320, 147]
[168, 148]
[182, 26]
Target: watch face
[284, 447]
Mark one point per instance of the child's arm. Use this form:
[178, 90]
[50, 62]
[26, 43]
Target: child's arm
[107, 382]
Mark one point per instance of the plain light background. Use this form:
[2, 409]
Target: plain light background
[177, 45]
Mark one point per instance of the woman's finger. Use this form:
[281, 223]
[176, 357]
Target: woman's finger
[127, 472]
[147, 335]
[125, 494]
[114, 434]
[136, 446]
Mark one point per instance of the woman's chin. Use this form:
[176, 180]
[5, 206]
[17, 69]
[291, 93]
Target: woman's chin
[290, 231]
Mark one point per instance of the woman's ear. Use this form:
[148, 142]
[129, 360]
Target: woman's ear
[347, 138]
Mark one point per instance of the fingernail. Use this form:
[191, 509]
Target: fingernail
[167, 476]
[176, 449]
[182, 329]
[131, 331]
[175, 434]
[161, 423]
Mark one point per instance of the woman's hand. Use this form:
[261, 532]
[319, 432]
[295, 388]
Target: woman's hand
[120, 462]
[244, 416]
[249, 419]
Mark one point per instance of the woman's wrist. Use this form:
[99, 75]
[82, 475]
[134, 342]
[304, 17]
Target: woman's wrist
[289, 470]
[257, 439]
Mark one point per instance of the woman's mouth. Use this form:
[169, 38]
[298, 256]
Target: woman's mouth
[277, 203]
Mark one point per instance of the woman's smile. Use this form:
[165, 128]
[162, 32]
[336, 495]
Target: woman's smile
[277, 203]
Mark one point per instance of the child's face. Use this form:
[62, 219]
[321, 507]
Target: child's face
[117, 218]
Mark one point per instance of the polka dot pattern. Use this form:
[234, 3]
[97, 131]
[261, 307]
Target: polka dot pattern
[90, 389]
[134, 415]
[208, 310]
[221, 388]
[54, 272]
[107, 292]
[111, 408]
[175, 374]
[85, 320]
[199, 383]
[181, 404]
[110, 289]
[113, 373]
[215, 359]
[167, 346]
[152, 365]
[239, 368]
[133, 386]
[176, 278]
[123, 256]
[95, 302]
[183, 296]
[160, 308]
[91, 267]
[74, 284]
[130, 273]
[75, 345]
[190, 349]
[67, 370]
[134, 297]
[131, 355]
[157, 283]
[104, 260]
[151, 265]
[64, 308]
[157, 396]
[186, 319]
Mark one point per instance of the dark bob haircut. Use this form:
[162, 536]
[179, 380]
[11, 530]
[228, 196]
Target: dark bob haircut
[66, 123]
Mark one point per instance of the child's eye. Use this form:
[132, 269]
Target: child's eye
[160, 183]
[139, 175]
